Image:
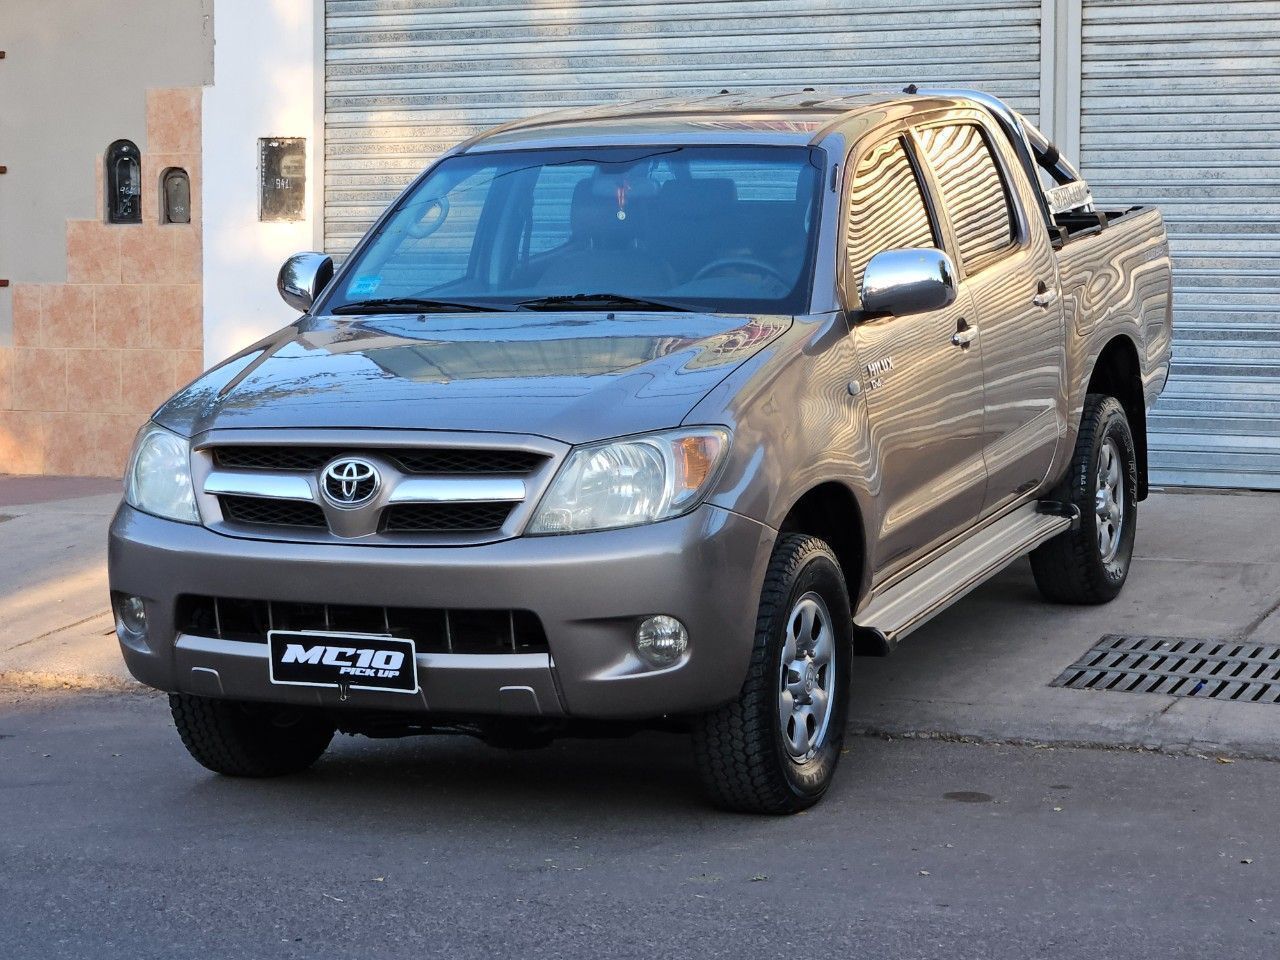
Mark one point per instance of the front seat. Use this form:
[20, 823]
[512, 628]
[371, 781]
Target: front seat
[706, 207]
[606, 253]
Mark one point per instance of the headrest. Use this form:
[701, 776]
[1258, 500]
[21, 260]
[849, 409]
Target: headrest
[598, 201]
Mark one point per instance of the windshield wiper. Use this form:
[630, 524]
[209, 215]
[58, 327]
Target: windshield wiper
[414, 305]
[600, 301]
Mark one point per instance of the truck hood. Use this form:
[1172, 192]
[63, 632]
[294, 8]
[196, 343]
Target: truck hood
[572, 376]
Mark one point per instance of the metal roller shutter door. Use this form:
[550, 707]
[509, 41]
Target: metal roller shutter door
[1181, 109]
[405, 79]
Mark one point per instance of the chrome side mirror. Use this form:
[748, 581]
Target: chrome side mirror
[902, 282]
[302, 278]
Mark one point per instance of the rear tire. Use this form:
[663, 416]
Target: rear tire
[776, 747]
[249, 740]
[1089, 565]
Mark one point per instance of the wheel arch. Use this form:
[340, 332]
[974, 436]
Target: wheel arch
[1118, 373]
[830, 511]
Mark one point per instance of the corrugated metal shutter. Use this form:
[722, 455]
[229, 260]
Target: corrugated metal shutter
[405, 79]
[1181, 109]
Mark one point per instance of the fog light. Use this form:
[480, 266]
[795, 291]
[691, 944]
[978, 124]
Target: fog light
[661, 640]
[131, 615]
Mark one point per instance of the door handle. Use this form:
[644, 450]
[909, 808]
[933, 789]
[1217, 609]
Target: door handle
[964, 335]
[1044, 296]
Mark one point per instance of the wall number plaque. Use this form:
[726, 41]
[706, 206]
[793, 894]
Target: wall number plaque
[282, 178]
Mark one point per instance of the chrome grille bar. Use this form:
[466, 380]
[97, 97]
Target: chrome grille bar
[457, 490]
[406, 490]
[269, 485]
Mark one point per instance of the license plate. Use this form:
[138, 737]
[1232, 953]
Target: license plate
[356, 661]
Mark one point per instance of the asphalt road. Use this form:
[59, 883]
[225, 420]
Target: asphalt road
[114, 844]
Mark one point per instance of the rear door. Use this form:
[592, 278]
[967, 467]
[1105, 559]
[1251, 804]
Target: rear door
[923, 385]
[1010, 271]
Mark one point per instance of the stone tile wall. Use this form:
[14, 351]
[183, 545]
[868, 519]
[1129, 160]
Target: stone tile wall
[94, 356]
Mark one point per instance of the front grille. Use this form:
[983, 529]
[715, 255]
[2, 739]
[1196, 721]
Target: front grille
[451, 460]
[444, 517]
[273, 458]
[246, 502]
[397, 518]
[270, 512]
[431, 630]
[433, 460]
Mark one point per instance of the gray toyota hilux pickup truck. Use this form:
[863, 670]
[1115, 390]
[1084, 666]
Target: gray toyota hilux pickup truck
[654, 414]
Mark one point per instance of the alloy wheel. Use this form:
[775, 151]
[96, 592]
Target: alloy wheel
[807, 677]
[1109, 500]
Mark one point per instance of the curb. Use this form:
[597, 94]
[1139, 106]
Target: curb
[1202, 749]
[32, 681]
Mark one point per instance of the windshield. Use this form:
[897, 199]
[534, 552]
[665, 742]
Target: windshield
[725, 229]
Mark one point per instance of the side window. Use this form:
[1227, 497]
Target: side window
[972, 188]
[886, 208]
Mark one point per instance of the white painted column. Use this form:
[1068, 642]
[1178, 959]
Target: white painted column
[266, 57]
[1060, 76]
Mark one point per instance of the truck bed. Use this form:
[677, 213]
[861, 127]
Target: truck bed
[1114, 274]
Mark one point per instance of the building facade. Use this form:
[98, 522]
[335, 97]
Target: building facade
[1172, 103]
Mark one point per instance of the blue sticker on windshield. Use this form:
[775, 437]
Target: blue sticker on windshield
[363, 286]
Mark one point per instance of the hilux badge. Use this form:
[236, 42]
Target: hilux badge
[350, 482]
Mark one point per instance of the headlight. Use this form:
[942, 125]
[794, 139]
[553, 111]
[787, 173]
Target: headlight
[637, 480]
[159, 476]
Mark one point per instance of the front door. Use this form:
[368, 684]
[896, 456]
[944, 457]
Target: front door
[921, 376]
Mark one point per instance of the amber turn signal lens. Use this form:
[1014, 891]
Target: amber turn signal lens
[696, 457]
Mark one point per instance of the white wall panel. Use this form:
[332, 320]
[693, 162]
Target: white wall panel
[264, 66]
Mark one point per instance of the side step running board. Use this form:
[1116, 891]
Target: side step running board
[895, 612]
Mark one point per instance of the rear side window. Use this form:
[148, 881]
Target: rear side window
[886, 208]
[972, 188]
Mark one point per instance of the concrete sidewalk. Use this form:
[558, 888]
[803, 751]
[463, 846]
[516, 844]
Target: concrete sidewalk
[56, 628]
[1206, 566]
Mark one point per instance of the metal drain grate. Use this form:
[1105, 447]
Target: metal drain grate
[1217, 669]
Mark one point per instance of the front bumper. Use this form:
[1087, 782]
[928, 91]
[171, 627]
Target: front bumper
[590, 590]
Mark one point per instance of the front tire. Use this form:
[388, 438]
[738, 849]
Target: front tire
[249, 740]
[776, 747]
[1089, 565]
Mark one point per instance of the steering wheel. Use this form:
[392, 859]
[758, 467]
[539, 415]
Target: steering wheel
[715, 266]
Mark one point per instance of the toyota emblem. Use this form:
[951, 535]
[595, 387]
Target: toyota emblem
[350, 482]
